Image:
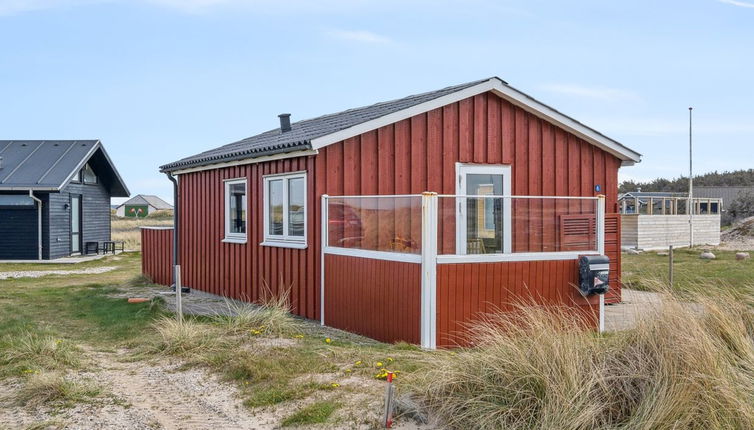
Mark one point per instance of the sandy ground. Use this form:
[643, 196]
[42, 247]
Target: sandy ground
[141, 395]
[40, 273]
[739, 244]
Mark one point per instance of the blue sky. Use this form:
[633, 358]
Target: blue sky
[157, 80]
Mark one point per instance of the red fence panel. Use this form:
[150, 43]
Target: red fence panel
[466, 291]
[157, 254]
[376, 298]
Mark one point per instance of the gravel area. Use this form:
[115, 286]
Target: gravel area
[40, 273]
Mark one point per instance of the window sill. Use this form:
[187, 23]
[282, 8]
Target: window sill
[238, 240]
[284, 244]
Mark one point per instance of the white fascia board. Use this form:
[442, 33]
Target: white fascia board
[80, 164]
[569, 124]
[245, 161]
[504, 91]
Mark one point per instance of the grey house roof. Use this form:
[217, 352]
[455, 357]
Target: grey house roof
[317, 132]
[49, 165]
[145, 199]
[302, 132]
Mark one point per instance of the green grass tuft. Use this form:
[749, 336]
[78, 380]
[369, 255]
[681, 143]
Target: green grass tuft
[43, 388]
[316, 413]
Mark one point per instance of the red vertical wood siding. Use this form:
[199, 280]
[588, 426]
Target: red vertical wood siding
[157, 255]
[465, 291]
[410, 156]
[375, 298]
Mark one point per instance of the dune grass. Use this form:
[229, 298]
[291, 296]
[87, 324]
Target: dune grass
[48, 387]
[316, 413]
[690, 367]
[127, 229]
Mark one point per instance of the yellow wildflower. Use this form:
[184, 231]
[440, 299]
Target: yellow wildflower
[379, 364]
[335, 385]
[358, 363]
[390, 360]
[328, 340]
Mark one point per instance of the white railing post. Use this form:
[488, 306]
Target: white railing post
[322, 244]
[601, 224]
[428, 327]
[601, 251]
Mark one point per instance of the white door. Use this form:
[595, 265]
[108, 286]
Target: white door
[75, 224]
[483, 224]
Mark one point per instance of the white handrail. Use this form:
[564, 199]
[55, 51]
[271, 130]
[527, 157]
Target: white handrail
[488, 196]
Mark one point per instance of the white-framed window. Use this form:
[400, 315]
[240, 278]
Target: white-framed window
[483, 224]
[236, 210]
[285, 210]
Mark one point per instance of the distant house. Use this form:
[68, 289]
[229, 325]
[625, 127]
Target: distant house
[656, 220]
[141, 205]
[55, 197]
[726, 193]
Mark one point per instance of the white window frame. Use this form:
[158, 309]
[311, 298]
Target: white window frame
[284, 240]
[463, 169]
[231, 237]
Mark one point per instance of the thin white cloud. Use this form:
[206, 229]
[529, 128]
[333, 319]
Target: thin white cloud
[194, 6]
[738, 3]
[664, 127]
[12, 7]
[598, 93]
[362, 36]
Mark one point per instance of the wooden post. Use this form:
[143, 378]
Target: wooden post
[670, 266]
[651, 207]
[663, 205]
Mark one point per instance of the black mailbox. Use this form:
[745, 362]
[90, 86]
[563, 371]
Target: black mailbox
[594, 271]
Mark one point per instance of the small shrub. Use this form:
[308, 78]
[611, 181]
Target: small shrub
[316, 413]
[271, 317]
[43, 388]
[32, 350]
[183, 337]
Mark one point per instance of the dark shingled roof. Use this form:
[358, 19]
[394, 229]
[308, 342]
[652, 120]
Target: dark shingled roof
[302, 132]
[49, 165]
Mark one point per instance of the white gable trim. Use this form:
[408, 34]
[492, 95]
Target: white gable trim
[504, 91]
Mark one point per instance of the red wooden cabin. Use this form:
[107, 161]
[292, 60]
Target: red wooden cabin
[406, 219]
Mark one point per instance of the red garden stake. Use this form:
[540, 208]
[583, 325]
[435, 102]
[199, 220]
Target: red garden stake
[389, 391]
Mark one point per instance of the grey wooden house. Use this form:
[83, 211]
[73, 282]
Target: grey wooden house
[55, 197]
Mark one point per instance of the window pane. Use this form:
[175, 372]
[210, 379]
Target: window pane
[484, 217]
[296, 207]
[237, 200]
[89, 176]
[275, 209]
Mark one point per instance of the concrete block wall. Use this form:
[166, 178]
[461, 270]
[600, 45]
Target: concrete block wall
[661, 231]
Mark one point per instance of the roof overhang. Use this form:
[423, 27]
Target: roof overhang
[117, 186]
[496, 85]
[247, 160]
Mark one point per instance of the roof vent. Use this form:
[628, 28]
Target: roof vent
[285, 122]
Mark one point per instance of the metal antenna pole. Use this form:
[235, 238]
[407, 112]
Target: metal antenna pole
[690, 206]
